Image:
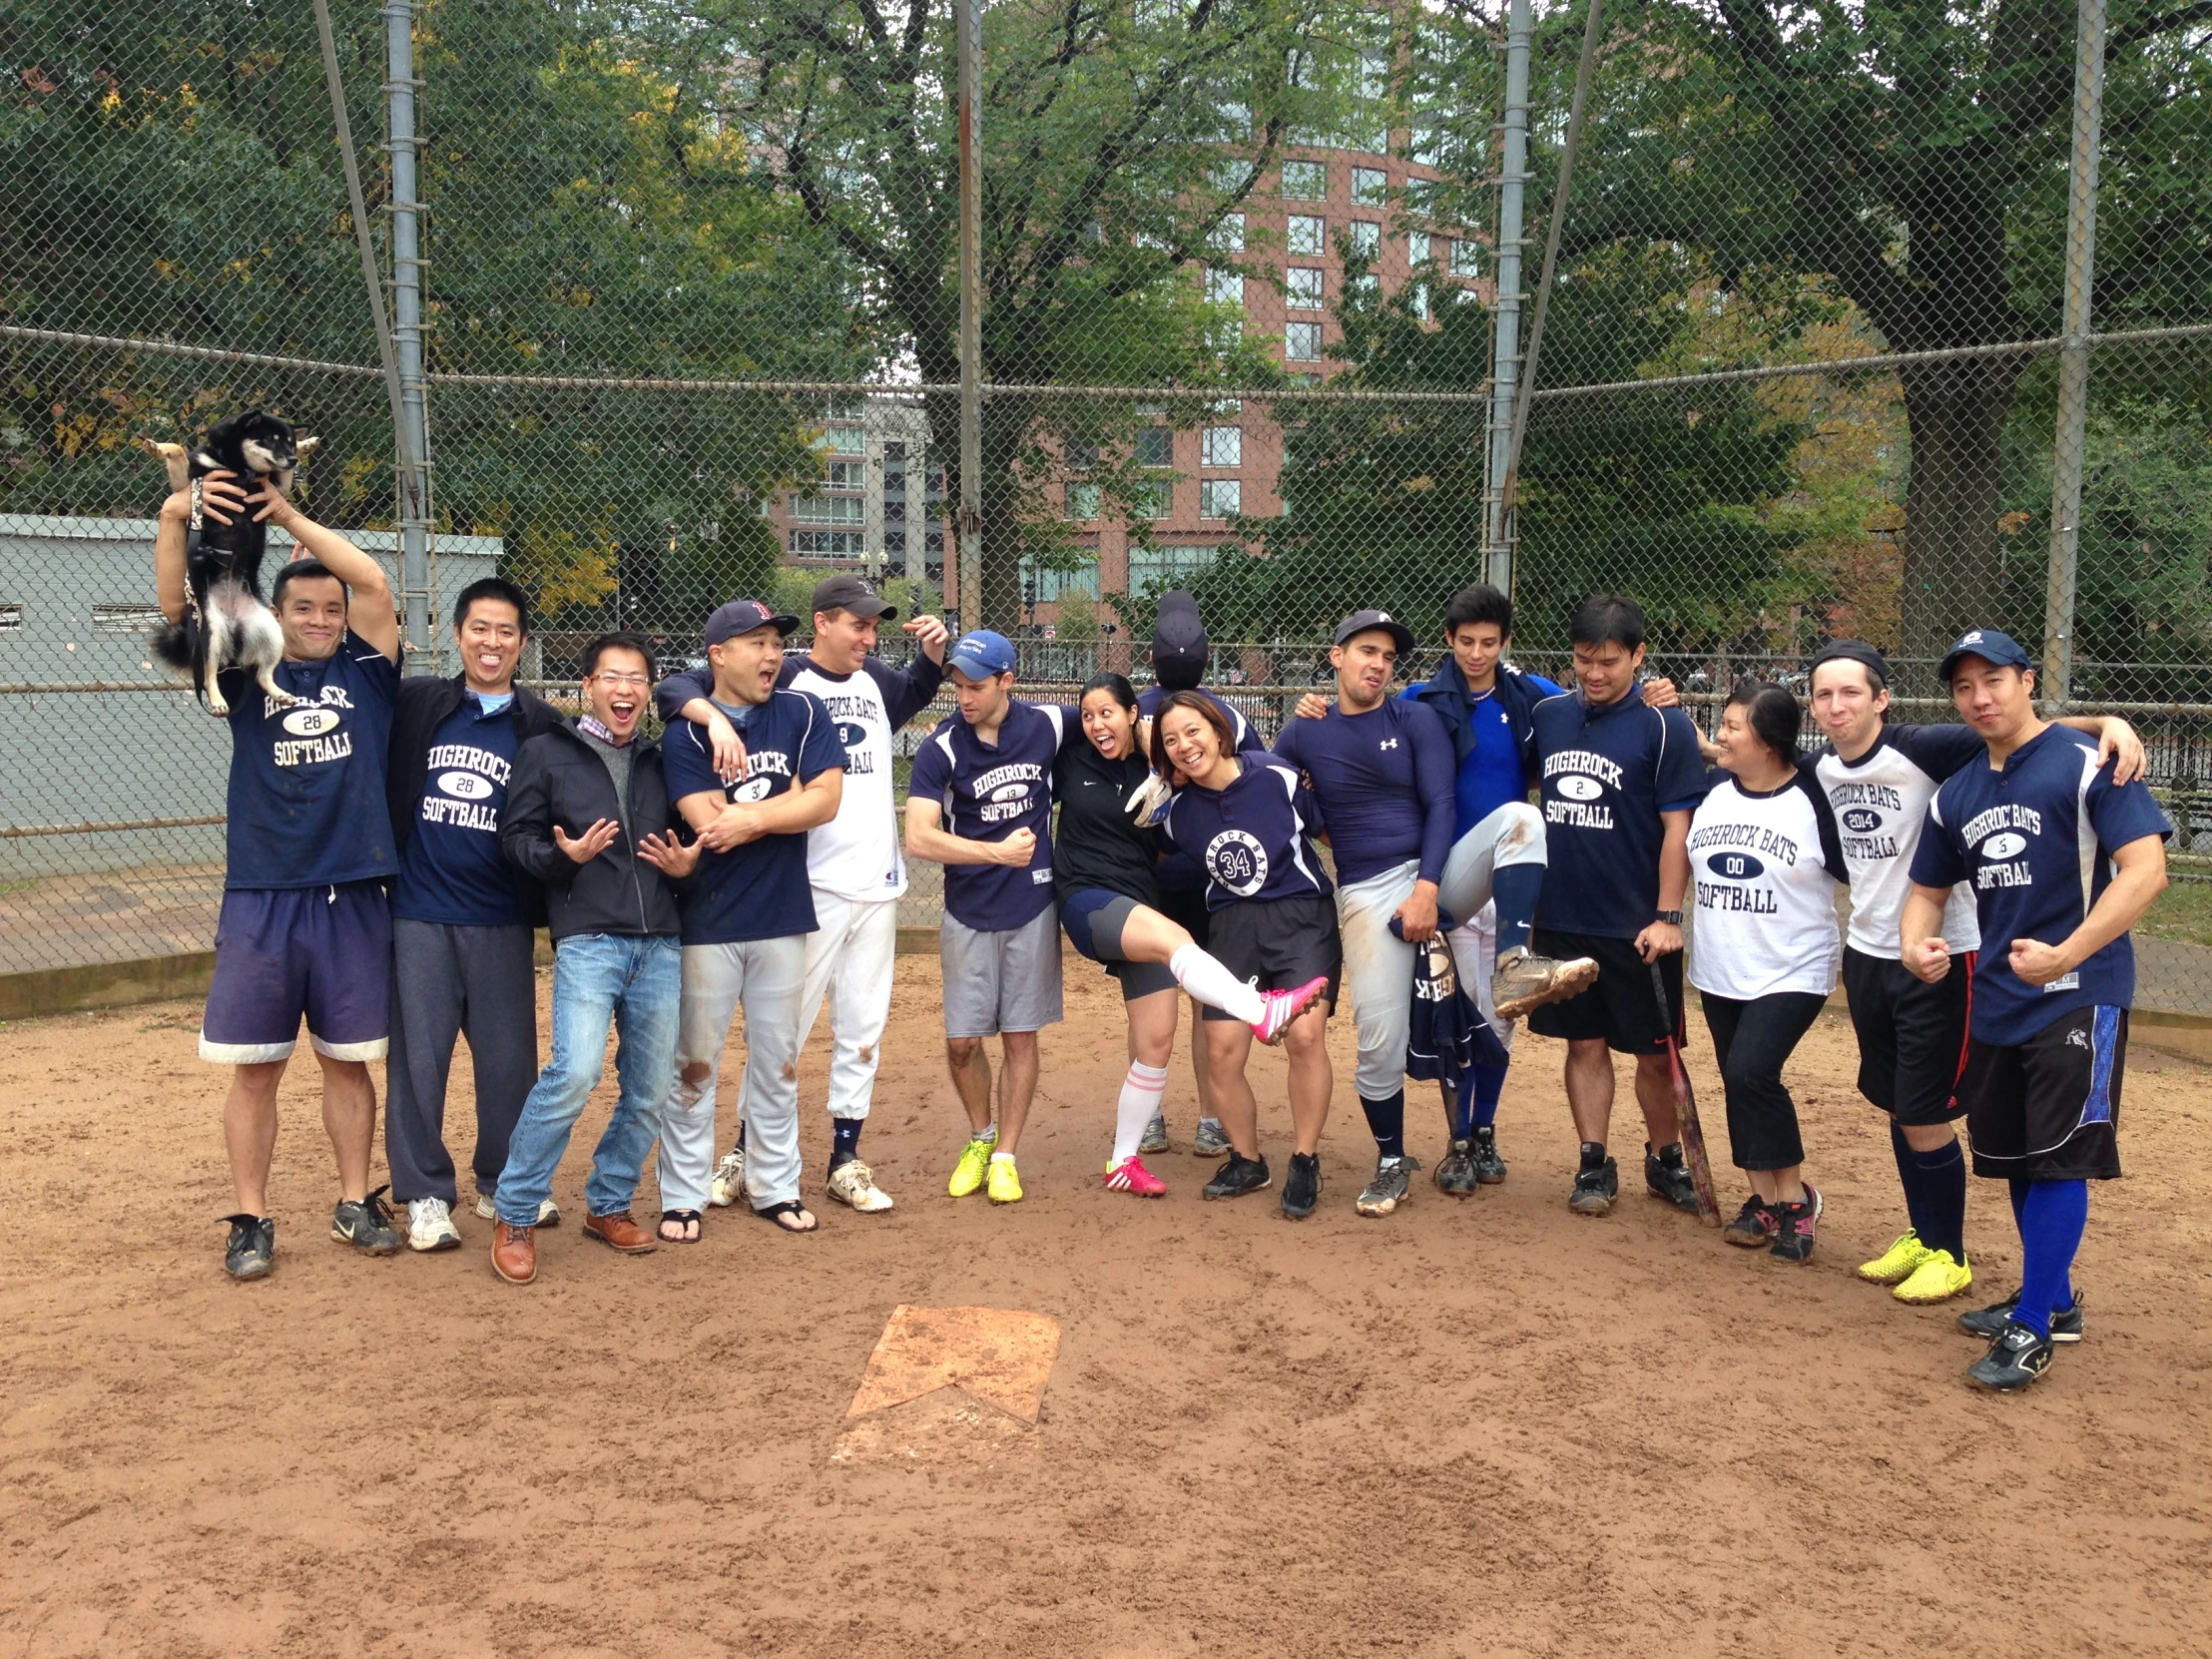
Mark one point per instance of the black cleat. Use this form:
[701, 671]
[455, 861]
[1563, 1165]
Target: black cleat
[1989, 1323]
[1595, 1189]
[1793, 1223]
[1755, 1225]
[1455, 1171]
[1237, 1177]
[1668, 1175]
[2015, 1359]
[365, 1224]
[1489, 1168]
[252, 1253]
[1302, 1189]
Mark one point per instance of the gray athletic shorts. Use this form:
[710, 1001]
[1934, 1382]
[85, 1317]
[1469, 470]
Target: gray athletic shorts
[1000, 981]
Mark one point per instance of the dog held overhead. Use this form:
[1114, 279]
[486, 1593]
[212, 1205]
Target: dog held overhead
[227, 624]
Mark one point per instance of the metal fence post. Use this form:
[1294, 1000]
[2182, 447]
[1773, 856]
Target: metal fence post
[1497, 557]
[407, 306]
[972, 314]
[2072, 437]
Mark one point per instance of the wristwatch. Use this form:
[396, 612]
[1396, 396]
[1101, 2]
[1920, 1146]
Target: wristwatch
[1673, 918]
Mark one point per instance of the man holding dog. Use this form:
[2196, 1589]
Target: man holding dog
[462, 915]
[305, 930]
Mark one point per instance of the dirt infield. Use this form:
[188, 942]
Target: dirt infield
[1487, 1427]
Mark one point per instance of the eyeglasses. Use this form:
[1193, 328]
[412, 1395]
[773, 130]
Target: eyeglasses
[624, 679]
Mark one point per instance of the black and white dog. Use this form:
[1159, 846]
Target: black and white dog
[227, 623]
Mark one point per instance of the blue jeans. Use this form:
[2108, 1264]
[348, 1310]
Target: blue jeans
[636, 985]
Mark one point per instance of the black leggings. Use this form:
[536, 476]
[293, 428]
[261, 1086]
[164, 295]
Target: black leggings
[1751, 1040]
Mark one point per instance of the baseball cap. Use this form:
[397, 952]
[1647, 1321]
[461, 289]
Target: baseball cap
[856, 594]
[1850, 651]
[742, 616]
[1179, 644]
[981, 653]
[1361, 622]
[2001, 650]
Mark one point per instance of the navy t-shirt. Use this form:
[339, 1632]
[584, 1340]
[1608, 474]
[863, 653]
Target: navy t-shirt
[307, 794]
[1176, 873]
[989, 791]
[1255, 838]
[1606, 775]
[452, 870]
[2036, 839]
[758, 890]
[1384, 781]
[1492, 774]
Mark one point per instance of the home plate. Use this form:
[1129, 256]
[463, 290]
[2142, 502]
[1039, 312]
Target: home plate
[947, 1379]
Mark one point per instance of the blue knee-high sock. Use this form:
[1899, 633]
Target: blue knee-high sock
[1909, 1176]
[845, 1140]
[2019, 1189]
[1941, 1177]
[1489, 1084]
[2052, 1218]
[1386, 1118]
[1459, 1109]
[1513, 890]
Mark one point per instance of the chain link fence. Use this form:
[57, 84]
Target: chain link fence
[1816, 348]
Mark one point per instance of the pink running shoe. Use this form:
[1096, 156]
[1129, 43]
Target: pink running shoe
[1130, 1176]
[1285, 1006]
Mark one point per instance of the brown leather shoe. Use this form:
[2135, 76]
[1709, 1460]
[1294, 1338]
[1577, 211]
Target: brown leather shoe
[514, 1254]
[621, 1232]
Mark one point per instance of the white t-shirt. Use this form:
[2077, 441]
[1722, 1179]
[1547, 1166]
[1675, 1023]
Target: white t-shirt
[857, 854]
[1880, 804]
[1763, 875]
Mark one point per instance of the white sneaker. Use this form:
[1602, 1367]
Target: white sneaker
[854, 1184]
[430, 1225]
[727, 1185]
[549, 1213]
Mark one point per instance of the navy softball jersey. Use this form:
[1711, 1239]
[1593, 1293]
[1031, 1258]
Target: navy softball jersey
[1254, 838]
[306, 793]
[452, 870]
[1607, 775]
[758, 890]
[2036, 839]
[1385, 781]
[1176, 873]
[989, 791]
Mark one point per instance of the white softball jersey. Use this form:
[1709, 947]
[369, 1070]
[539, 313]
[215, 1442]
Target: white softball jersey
[1880, 804]
[1762, 874]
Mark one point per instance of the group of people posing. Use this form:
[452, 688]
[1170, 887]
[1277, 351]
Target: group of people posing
[392, 845]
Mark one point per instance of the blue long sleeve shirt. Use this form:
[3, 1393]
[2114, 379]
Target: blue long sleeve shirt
[1385, 783]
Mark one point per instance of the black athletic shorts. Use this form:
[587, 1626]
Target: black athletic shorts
[1093, 919]
[1186, 907]
[1619, 1005]
[2048, 1109]
[1280, 943]
[1912, 1035]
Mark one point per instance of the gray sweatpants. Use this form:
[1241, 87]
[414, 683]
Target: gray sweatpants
[446, 982]
[769, 978]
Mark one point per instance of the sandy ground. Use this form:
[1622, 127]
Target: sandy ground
[1481, 1427]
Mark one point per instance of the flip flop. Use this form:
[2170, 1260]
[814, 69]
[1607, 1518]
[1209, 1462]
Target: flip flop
[789, 1206]
[688, 1233]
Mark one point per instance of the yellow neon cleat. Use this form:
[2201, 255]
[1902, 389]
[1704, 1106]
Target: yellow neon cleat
[1005, 1182]
[1896, 1263]
[975, 1161]
[1938, 1279]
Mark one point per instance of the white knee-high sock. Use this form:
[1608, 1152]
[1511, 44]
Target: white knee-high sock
[1213, 984]
[1140, 1098]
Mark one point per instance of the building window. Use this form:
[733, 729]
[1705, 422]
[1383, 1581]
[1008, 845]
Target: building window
[1417, 247]
[1155, 568]
[848, 475]
[1370, 185]
[1302, 342]
[1363, 291]
[1365, 238]
[1306, 233]
[1375, 75]
[1220, 498]
[1044, 585]
[1082, 501]
[826, 544]
[1224, 287]
[1154, 446]
[107, 618]
[11, 617]
[1080, 456]
[829, 509]
[1228, 236]
[1420, 303]
[1301, 288]
[1222, 446]
[1467, 258]
[846, 441]
[1153, 501]
[1305, 181]
[894, 546]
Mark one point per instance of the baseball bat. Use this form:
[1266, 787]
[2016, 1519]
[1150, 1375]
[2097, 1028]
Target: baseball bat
[1685, 1105]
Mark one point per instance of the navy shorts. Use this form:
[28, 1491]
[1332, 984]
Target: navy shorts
[1186, 907]
[285, 953]
[2048, 1109]
[1094, 919]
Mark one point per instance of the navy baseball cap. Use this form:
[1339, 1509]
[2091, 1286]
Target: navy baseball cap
[856, 595]
[1999, 650]
[1180, 643]
[742, 616]
[1362, 621]
[981, 653]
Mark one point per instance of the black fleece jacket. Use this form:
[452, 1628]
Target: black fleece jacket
[560, 779]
